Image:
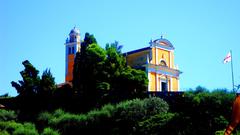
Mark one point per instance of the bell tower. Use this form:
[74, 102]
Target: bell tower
[73, 45]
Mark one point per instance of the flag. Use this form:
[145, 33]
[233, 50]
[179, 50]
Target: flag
[228, 58]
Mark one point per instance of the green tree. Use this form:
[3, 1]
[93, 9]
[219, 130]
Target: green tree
[29, 86]
[47, 84]
[35, 93]
[80, 67]
[32, 84]
[102, 75]
[126, 83]
[88, 72]
[7, 115]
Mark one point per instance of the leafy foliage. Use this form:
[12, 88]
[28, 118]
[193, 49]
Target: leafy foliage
[206, 111]
[34, 92]
[6, 115]
[47, 84]
[110, 119]
[14, 128]
[155, 123]
[49, 131]
[104, 75]
[29, 86]
[32, 85]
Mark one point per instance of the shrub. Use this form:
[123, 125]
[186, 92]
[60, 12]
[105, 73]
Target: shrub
[69, 123]
[129, 113]
[44, 116]
[155, 105]
[7, 115]
[15, 128]
[136, 109]
[58, 113]
[49, 131]
[43, 119]
[4, 132]
[131, 110]
[97, 116]
[26, 129]
[110, 119]
[167, 123]
[154, 123]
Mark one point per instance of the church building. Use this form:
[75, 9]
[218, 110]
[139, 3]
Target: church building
[157, 60]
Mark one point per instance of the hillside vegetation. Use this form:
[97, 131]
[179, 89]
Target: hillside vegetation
[108, 97]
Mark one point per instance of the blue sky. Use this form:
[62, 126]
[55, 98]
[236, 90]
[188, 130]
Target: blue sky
[202, 33]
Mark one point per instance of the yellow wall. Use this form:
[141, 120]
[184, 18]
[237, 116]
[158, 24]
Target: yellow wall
[152, 82]
[175, 82]
[153, 56]
[133, 59]
[172, 59]
[165, 55]
[162, 55]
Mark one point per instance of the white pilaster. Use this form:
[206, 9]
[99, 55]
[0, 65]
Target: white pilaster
[156, 56]
[171, 86]
[170, 59]
[156, 82]
[149, 83]
[178, 84]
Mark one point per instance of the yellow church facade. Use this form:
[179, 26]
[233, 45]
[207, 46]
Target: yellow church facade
[157, 61]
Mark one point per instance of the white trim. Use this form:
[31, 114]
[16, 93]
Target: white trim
[170, 59]
[78, 47]
[149, 81]
[156, 82]
[171, 88]
[178, 84]
[156, 56]
[72, 43]
[160, 84]
[163, 48]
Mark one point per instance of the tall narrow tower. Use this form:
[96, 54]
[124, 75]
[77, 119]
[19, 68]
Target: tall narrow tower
[73, 45]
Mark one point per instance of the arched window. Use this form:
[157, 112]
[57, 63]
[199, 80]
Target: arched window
[163, 63]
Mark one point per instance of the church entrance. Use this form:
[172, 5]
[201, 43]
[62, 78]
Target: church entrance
[164, 86]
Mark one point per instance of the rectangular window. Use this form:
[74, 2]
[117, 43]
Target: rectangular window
[72, 50]
[69, 50]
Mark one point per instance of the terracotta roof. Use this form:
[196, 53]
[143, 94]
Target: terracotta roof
[2, 106]
[62, 84]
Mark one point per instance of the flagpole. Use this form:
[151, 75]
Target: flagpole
[232, 70]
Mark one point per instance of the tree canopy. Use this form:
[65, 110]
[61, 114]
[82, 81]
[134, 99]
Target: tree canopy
[31, 83]
[103, 75]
